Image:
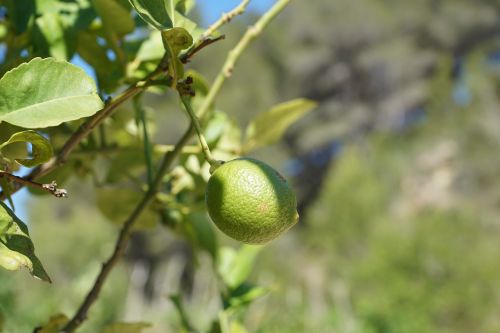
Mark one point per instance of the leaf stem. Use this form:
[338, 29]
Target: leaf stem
[90, 124]
[201, 138]
[204, 38]
[233, 56]
[51, 188]
[148, 151]
[225, 18]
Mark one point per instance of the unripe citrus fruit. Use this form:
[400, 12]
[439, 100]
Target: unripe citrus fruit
[250, 201]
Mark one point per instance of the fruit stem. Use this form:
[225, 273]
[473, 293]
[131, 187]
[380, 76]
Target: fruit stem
[214, 164]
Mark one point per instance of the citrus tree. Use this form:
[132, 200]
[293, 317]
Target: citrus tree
[58, 122]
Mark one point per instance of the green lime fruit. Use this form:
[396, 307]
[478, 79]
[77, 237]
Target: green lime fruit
[250, 201]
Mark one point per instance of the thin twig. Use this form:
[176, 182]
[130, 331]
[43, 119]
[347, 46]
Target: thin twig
[227, 69]
[81, 133]
[204, 39]
[87, 127]
[225, 18]
[51, 188]
[199, 132]
[184, 58]
[121, 243]
[148, 151]
[168, 159]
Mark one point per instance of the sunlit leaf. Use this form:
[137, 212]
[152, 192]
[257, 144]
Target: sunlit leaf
[47, 92]
[185, 6]
[245, 294]
[268, 127]
[132, 158]
[228, 143]
[177, 301]
[200, 83]
[175, 40]
[115, 17]
[117, 204]
[50, 36]
[235, 267]
[216, 127]
[20, 13]
[108, 72]
[237, 327]
[178, 39]
[41, 149]
[16, 248]
[155, 12]
[54, 324]
[151, 49]
[203, 233]
[166, 14]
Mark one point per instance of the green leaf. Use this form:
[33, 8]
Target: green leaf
[115, 17]
[47, 92]
[176, 299]
[235, 267]
[185, 6]
[126, 328]
[182, 21]
[202, 232]
[151, 49]
[268, 127]
[200, 83]
[154, 12]
[2, 320]
[41, 150]
[216, 127]
[54, 324]
[237, 327]
[245, 294]
[164, 14]
[175, 40]
[227, 144]
[20, 13]
[50, 36]
[108, 72]
[6, 188]
[117, 204]
[132, 158]
[16, 248]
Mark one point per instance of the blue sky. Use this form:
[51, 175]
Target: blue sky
[212, 9]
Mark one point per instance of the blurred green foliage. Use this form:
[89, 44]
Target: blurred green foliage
[400, 227]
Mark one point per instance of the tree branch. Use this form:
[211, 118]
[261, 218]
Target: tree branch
[51, 188]
[205, 40]
[124, 236]
[88, 126]
[84, 130]
[121, 243]
[225, 18]
[233, 56]
[201, 138]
